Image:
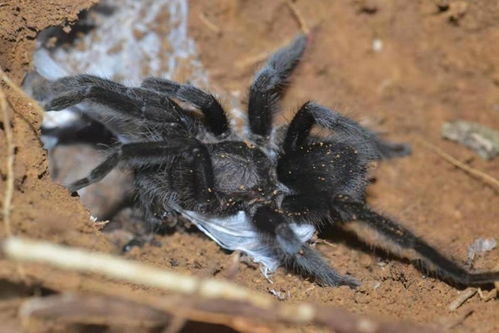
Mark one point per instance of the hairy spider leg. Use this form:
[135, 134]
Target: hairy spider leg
[156, 153]
[345, 130]
[443, 267]
[133, 103]
[216, 119]
[294, 254]
[98, 172]
[268, 84]
[329, 178]
[344, 209]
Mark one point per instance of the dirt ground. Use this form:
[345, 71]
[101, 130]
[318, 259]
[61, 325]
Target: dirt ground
[401, 67]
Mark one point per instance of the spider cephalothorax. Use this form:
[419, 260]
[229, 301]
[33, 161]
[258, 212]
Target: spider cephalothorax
[264, 194]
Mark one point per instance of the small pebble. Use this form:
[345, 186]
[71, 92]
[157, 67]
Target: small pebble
[482, 140]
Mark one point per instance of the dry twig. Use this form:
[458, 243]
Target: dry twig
[458, 321]
[463, 297]
[9, 182]
[252, 60]
[487, 296]
[91, 309]
[210, 25]
[175, 325]
[31, 102]
[233, 268]
[216, 301]
[9, 138]
[477, 173]
[298, 16]
[121, 269]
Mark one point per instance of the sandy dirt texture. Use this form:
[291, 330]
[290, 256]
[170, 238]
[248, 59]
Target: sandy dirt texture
[401, 68]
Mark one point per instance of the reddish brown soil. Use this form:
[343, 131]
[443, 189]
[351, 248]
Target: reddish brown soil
[435, 65]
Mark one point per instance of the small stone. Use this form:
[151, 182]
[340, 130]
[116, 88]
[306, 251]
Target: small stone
[480, 245]
[457, 10]
[483, 140]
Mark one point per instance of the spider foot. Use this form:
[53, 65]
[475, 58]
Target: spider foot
[309, 263]
[393, 149]
[333, 279]
[139, 241]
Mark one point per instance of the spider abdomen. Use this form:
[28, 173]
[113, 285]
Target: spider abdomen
[333, 167]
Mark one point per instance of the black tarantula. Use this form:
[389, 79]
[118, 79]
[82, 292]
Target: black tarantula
[264, 194]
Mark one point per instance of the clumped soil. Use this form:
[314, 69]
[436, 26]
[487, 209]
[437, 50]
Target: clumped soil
[402, 68]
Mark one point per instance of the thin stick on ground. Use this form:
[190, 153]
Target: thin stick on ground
[210, 25]
[452, 160]
[176, 325]
[250, 61]
[215, 300]
[260, 57]
[115, 267]
[9, 182]
[79, 308]
[20, 92]
[456, 322]
[298, 16]
[462, 298]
